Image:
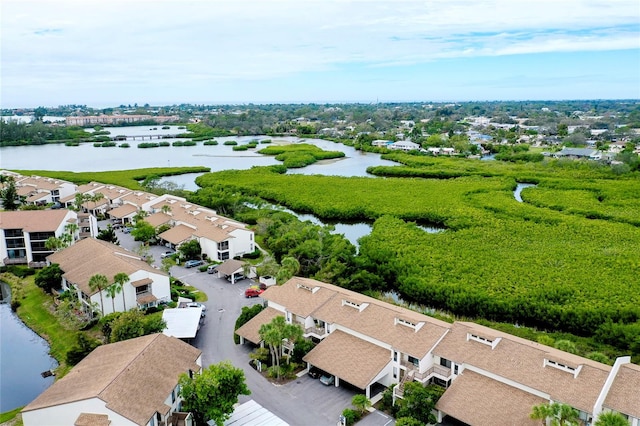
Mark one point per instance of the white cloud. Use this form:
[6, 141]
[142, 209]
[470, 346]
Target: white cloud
[99, 43]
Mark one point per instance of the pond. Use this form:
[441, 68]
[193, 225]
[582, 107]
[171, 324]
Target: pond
[24, 355]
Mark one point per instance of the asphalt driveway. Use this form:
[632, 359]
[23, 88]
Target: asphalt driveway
[304, 401]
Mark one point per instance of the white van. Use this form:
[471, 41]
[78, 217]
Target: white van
[212, 269]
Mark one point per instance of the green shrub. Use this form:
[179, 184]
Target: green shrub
[247, 313]
[211, 142]
[230, 143]
[351, 416]
[240, 148]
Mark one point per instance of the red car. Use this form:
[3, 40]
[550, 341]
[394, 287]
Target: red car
[253, 292]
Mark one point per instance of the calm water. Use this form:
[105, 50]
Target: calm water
[86, 157]
[23, 356]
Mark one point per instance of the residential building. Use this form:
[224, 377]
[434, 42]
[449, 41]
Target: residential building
[579, 153]
[404, 146]
[220, 238]
[133, 382]
[146, 287]
[39, 190]
[491, 377]
[92, 120]
[24, 234]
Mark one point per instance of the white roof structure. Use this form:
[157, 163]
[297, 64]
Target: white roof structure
[253, 414]
[182, 323]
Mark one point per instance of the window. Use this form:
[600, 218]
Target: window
[142, 289]
[395, 356]
[445, 362]
[414, 361]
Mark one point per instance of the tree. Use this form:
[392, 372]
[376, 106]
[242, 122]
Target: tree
[559, 414]
[111, 291]
[611, 418]
[54, 244]
[419, 401]
[143, 231]
[290, 267]
[274, 333]
[361, 402]
[190, 250]
[133, 323]
[211, 394]
[81, 349]
[109, 235]
[408, 421]
[99, 282]
[49, 277]
[119, 280]
[9, 195]
[567, 346]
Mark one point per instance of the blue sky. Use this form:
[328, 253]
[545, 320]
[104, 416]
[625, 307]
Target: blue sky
[106, 53]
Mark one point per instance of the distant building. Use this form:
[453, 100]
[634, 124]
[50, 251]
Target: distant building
[579, 153]
[92, 120]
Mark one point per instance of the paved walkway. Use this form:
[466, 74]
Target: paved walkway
[304, 401]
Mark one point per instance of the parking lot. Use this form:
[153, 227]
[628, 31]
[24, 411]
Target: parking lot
[304, 401]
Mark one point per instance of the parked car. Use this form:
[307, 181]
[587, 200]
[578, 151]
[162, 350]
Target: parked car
[327, 379]
[252, 292]
[193, 263]
[196, 305]
[127, 230]
[167, 254]
[314, 373]
[212, 269]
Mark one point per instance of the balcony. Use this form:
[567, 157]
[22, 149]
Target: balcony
[443, 373]
[319, 332]
[15, 261]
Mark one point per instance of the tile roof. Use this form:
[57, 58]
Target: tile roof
[133, 377]
[33, 220]
[178, 234]
[380, 320]
[157, 219]
[624, 394]
[523, 362]
[91, 256]
[349, 358]
[230, 266]
[123, 210]
[479, 400]
[299, 300]
[250, 329]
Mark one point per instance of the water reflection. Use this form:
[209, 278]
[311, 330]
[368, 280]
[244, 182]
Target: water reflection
[24, 356]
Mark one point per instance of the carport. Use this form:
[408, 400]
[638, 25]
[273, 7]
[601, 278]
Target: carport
[250, 330]
[230, 270]
[351, 359]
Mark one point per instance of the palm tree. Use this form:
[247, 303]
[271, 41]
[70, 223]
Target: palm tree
[541, 412]
[99, 282]
[560, 414]
[112, 290]
[119, 280]
[611, 418]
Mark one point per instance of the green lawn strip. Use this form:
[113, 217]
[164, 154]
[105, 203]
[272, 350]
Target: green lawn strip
[10, 415]
[125, 178]
[34, 312]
